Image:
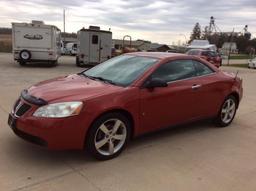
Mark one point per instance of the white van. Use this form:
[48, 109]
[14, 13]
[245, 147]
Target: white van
[94, 46]
[36, 42]
[71, 48]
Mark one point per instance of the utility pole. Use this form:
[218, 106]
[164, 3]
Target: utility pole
[231, 40]
[64, 28]
[186, 41]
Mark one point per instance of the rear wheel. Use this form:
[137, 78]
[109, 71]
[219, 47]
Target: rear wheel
[25, 55]
[108, 136]
[227, 111]
[54, 63]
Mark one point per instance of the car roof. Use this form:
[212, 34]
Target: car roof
[158, 55]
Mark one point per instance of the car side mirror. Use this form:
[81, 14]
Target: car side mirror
[155, 82]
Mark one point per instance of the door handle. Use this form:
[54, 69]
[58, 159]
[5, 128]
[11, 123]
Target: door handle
[196, 86]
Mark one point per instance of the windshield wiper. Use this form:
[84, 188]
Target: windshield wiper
[99, 78]
[102, 79]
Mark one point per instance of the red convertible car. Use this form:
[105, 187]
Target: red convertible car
[102, 108]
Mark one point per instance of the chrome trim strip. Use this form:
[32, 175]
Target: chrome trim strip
[191, 78]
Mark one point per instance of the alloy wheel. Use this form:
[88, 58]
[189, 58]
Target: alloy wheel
[228, 111]
[25, 55]
[110, 137]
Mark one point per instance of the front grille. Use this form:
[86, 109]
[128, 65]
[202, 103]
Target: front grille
[16, 104]
[21, 108]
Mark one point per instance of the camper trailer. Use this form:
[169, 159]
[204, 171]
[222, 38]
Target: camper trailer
[36, 42]
[94, 46]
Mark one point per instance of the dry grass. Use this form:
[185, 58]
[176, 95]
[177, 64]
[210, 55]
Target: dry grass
[5, 43]
[5, 38]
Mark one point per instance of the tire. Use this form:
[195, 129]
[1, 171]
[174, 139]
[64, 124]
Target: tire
[25, 55]
[22, 63]
[54, 63]
[78, 64]
[104, 141]
[227, 112]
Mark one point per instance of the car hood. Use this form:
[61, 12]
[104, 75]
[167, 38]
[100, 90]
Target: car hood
[73, 87]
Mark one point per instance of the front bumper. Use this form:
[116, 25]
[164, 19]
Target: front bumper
[54, 133]
[30, 138]
[59, 134]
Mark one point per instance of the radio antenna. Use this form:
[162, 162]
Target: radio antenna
[236, 74]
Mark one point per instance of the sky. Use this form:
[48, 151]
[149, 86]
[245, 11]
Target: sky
[162, 21]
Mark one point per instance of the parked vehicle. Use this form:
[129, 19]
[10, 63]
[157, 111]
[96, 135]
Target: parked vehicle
[202, 44]
[94, 46]
[209, 55]
[35, 42]
[71, 48]
[63, 48]
[252, 63]
[102, 108]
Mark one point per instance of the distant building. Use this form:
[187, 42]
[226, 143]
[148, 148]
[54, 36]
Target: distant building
[229, 46]
[155, 47]
[141, 45]
[69, 40]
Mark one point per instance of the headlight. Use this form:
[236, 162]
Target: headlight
[58, 110]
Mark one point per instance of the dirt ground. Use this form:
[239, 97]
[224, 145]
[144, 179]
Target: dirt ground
[192, 157]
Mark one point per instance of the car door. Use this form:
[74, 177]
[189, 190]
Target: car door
[209, 92]
[174, 104]
[94, 48]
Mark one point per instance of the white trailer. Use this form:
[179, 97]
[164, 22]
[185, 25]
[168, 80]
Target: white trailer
[36, 42]
[94, 46]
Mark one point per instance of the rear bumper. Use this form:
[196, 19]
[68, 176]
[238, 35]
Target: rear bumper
[83, 61]
[35, 60]
[37, 56]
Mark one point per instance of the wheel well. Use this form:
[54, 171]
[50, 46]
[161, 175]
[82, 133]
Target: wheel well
[126, 114]
[122, 111]
[236, 95]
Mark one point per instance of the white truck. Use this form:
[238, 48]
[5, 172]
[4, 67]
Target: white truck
[94, 46]
[36, 42]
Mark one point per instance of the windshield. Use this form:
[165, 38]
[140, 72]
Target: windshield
[121, 70]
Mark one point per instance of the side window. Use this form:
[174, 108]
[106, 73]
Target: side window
[175, 70]
[213, 54]
[202, 69]
[205, 53]
[95, 39]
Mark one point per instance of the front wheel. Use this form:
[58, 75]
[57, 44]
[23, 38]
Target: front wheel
[227, 111]
[108, 136]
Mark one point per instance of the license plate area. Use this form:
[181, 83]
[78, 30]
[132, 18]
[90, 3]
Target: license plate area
[12, 121]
